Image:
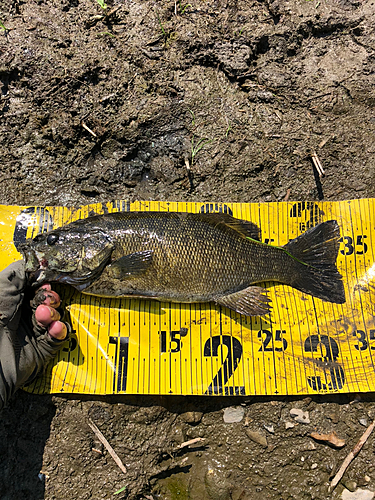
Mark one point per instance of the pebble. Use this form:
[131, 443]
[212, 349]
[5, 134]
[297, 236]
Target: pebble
[289, 425]
[363, 421]
[332, 439]
[357, 495]
[350, 485]
[269, 428]
[314, 466]
[300, 416]
[233, 415]
[335, 417]
[191, 417]
[257, 438]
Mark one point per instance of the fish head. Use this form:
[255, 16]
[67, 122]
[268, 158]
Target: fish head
[71, 254]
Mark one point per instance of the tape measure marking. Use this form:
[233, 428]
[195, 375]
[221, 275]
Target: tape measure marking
[305, 346]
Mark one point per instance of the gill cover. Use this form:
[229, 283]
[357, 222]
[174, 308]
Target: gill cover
[72, 254]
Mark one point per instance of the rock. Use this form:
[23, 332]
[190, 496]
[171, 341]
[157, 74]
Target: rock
[289, 425]
[233, 415]
[300, 416]
[332, 439]
[363, 421]
[269, 428]
[314, 466]
[335, 417]
[357, 495]
[350, 485]
[217, 486]
[191, 417]
[257, 438]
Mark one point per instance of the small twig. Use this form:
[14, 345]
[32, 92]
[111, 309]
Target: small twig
[187, 164]
[88, 129]
[324, 142]
[108, 447]
[317, 164]
[317, 96]
[113, 11]
[357, 448]
[189, 443]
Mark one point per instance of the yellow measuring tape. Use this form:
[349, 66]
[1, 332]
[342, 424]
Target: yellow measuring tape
[305, 346]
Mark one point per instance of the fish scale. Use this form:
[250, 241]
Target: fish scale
[194, 260]
[184, 257]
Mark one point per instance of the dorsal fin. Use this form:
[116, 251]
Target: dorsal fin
[244, 227]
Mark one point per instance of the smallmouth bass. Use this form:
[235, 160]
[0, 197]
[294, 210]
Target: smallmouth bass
[184, 257]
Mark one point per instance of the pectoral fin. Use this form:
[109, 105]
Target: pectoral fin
[130, 265]
[251, 301]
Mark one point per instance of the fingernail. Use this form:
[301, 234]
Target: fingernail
[53, 299]
[58, 330]
[54, 314]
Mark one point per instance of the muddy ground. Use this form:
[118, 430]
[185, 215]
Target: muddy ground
[101, 104]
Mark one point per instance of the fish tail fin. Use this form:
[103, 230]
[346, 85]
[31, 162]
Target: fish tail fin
[314, 270]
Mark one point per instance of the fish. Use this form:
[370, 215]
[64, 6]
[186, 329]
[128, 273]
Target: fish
[184, 258]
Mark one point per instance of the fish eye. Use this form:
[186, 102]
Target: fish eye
[52, 239]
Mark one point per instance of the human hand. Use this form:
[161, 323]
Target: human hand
[31, 333]
[46, 314]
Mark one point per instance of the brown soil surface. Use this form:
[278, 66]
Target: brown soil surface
[259, 85]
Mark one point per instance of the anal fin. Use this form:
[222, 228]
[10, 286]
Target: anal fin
[130, 265]
[251, 301]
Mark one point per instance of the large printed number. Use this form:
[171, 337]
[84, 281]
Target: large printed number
[330, 350]
[121, 362]
[175, 343]
[230, 363]
[359, 247]
[364, 341]
[270, 344]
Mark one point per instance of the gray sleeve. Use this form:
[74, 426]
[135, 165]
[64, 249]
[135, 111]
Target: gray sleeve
[22, 354]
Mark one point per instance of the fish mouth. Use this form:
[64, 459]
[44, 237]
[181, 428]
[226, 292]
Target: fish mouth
[36, 269]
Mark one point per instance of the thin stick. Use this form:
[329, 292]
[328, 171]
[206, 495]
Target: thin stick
[317, 164]
[287, 195]
[188, 443]
[88, 129]
[109, 448]
[357, 448]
